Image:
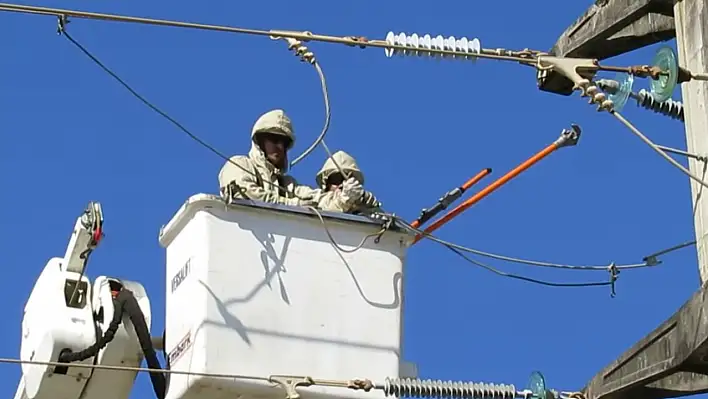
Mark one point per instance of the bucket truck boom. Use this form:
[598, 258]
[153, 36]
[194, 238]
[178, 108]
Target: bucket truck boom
[68, 320]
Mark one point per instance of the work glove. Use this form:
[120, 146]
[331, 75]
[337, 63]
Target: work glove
[369, 200]
[352, 191]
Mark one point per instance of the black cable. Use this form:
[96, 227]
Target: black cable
[217, 152]
[143, 332]
[125, 302]
[457, 250]
[158, 110]
[167, 358]
[68, 356]
[523, 278]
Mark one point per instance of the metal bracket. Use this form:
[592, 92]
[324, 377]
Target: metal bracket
[289, 383]
[92, 220]
[62, 21]
[607, 29]
[296, 45]
[671, 361]
[580, 71]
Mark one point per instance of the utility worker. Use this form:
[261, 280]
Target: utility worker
[261, 175]
[340, 194]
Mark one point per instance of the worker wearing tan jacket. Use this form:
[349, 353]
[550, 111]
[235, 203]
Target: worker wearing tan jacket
[262, 174]
[340, 194]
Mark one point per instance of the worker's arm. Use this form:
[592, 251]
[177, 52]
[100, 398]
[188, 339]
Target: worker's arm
[301, 190]
[332, 201]
[238, 171]
[349, 197]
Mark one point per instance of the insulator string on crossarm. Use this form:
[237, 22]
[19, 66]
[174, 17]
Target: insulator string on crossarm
[307, 56]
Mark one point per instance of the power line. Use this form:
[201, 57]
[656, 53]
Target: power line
[157, 109]
[218, 153]
[518, 260]
[289, 382]
[458, 249]
[524, 278]
[62, 14]
[452, 246]
[518, 56]
[537, 59]
[133, 369]
[392, 386]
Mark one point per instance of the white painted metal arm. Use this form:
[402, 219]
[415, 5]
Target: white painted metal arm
[87, 233]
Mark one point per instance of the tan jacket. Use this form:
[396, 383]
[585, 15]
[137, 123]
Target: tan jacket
[254, 177]
[332, 200]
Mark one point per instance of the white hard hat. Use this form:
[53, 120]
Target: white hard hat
[274, 122]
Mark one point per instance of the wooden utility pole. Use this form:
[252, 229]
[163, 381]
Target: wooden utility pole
[691, 18]
[612, 27]
[672, 360]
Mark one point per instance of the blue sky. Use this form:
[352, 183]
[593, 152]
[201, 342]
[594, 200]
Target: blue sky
[417, 127]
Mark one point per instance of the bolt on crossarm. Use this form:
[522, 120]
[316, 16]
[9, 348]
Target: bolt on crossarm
[568, 138]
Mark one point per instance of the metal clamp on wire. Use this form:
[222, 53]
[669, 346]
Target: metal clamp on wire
[580, 71]
[386, 227]
[289, 383]
[297, 46]
[62, 21]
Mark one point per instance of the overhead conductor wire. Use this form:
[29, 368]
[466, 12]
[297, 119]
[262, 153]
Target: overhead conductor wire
[590, 88]
[525, 57]
[519, 56]
[390, 387]
[305, 36]
[307, 381]
[656, 148]
[195, 137]
[62, 30]
[454, 247]
[647, 261]
[319, 140]
[458, 249]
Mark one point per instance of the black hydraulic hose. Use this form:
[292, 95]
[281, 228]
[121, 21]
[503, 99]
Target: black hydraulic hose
[167, 358]
[137, 317]
[68, 356]
[125, 302]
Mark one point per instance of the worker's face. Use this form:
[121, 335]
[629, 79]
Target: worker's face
[335, 181]
[275, 148]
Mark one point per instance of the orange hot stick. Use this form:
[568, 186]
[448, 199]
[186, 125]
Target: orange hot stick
[449, 198]
[567, 138]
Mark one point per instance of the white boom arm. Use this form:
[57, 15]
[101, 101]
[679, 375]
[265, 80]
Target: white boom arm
[65, 313]
[88, 231]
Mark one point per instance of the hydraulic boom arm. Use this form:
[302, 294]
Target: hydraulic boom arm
[70, 321]
[88, 231]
